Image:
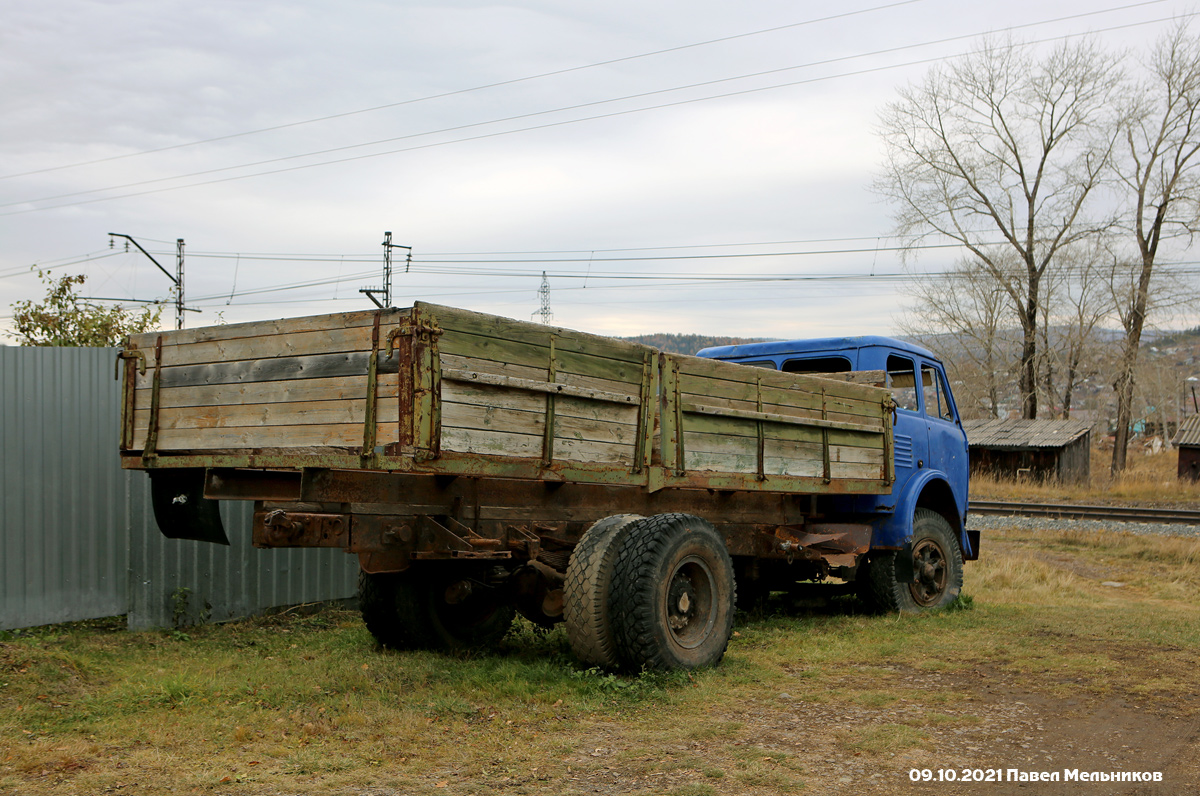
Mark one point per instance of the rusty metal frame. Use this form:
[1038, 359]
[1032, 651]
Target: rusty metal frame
[548, 424]
[826, 463]
[760, 432]
[645, 421]
[128, 390]
[411, 517]
[150, 451]
[370, 426]
[889, 444]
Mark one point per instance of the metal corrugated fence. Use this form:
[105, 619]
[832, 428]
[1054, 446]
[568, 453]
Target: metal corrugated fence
[77, 533]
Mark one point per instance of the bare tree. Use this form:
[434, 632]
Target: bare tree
[1001, 151]
[964, 317]
[1076, 302]
[1158, 169]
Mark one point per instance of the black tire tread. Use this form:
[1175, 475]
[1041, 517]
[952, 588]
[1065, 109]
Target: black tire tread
[635, 578]
[585, 591]
[376, 602]
[394, 607]
[887, 591]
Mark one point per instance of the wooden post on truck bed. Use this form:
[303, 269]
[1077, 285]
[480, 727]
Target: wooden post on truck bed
[548, 424]
[427, 387]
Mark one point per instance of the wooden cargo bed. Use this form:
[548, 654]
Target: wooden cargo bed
[432, 389]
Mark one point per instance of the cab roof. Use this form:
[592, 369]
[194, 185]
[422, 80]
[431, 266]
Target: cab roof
[815, 345]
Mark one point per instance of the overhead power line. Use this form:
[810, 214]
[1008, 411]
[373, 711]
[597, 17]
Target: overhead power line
[457, 92]
[51, 265]
[560, 123]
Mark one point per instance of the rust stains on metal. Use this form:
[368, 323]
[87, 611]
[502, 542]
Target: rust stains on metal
[834, 544]
[280, 528]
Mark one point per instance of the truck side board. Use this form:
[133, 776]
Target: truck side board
[442, 391]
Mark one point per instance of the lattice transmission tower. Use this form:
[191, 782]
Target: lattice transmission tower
[544, 295]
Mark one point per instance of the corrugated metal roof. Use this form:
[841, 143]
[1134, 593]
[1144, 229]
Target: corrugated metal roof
[1018, 433]
[1188, 433]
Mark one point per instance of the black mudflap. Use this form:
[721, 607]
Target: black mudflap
[180, 508]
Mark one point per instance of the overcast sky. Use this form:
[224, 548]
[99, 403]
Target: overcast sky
[626, 213]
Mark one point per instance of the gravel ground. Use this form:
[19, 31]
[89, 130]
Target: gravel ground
[992, 522]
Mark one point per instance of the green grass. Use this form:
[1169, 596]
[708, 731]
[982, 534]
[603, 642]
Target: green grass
[295, 704]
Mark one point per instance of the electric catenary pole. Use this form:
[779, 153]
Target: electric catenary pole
[179, 283]
[177, 279]
[386, 290]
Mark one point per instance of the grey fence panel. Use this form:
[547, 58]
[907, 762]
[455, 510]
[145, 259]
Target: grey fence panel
[77, 533]
[184, 582]
[63, 551]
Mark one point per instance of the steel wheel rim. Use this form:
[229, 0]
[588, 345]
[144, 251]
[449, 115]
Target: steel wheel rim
[930, 573]
[690, 602]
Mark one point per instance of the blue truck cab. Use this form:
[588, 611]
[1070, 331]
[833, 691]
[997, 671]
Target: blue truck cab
[930, 451]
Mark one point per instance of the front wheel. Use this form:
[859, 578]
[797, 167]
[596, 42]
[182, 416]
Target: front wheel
[672, 594]
[926, 574]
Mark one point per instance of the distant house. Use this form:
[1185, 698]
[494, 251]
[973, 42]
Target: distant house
[1187, 440]
[1039, 449]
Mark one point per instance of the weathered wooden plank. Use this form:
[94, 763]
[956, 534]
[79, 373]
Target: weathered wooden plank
[797, 401]
[720, 462]
[453, 361]
[453, 321]
[744, 463]
[499, 443]
[875, 378]
[517, 352]
[784, 449]
[282, 326]
[489, 418]
[323, 436]
[777, 419]
[346, 388]
[322, 366]
[328, 341]
[304, 413]
[740, 374]
[832, 411]
[483, 395]
[735, 427]
[533, 385]
[568, 427]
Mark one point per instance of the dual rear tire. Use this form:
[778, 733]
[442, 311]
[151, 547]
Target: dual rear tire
[650, 593]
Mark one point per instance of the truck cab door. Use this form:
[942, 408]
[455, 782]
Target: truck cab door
[947, 441]
[910, 429]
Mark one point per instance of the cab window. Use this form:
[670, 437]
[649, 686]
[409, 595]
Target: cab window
[902, 382]
[817, 365]
[936, 403]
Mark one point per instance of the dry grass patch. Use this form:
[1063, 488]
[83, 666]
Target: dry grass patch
[1149, 477]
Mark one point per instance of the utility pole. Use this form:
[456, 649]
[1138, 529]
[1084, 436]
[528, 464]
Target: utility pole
[386, 290]
[544, 294]
[179, 283]
[176, 280]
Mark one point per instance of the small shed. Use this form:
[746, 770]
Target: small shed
[1040, 449]
[1187, 440]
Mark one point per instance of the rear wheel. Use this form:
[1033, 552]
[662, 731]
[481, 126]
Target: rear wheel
[434, 608]
[585, 592]
[926, 574]
[672, 596]
[390, 610]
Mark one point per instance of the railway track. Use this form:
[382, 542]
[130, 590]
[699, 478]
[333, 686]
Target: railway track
[1076, 512]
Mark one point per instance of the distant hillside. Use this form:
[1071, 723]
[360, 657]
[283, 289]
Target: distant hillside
[688, 343]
